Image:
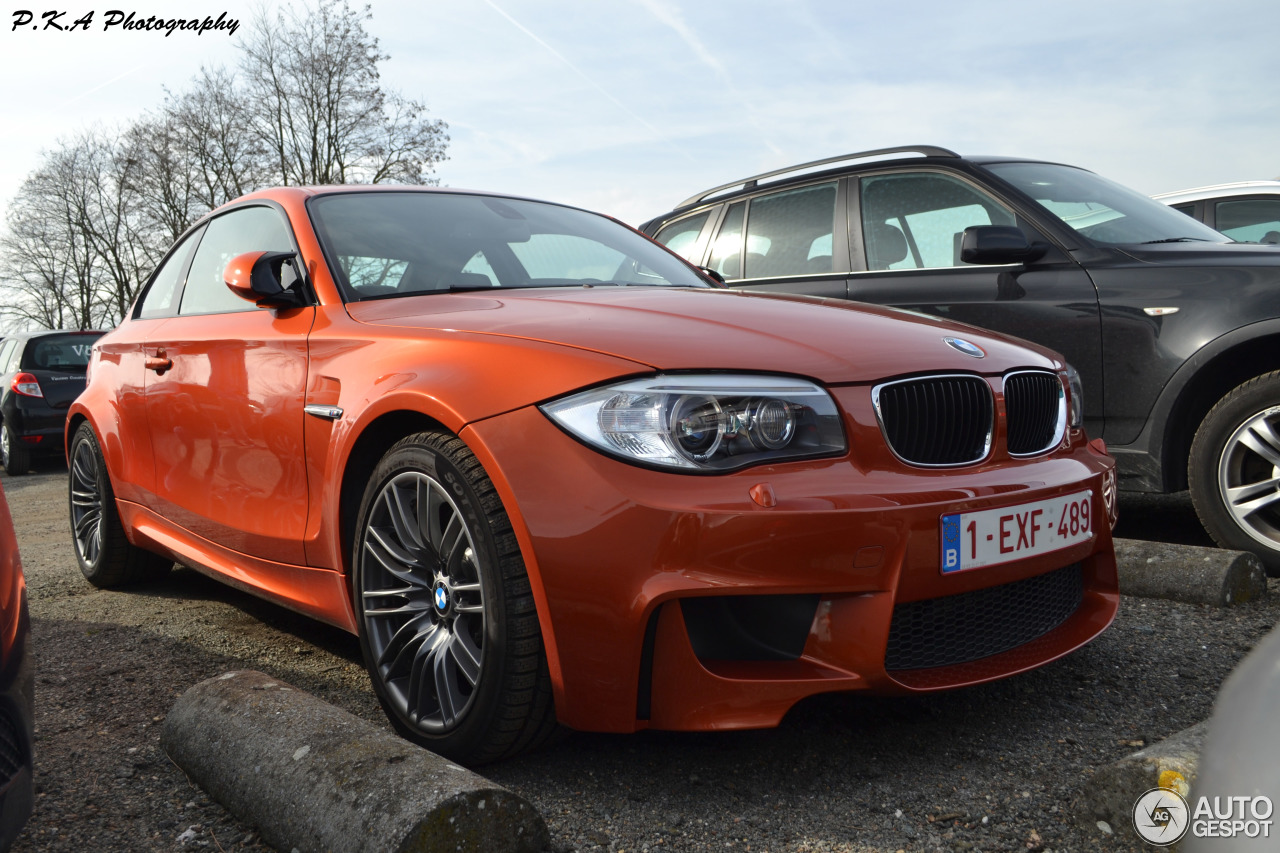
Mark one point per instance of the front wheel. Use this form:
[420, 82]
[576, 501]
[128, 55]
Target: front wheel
[1234, 470]
[447, 621]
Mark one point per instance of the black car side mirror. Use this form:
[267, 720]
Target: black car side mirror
[998, 244]
[267, 279]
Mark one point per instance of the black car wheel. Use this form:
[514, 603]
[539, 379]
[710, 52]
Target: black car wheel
[15, 457]
[447, 621]
[1234, 470]
[104, 553]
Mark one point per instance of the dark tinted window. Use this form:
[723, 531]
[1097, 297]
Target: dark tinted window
[789, 233]
[1255, 220]
[59, 352]
[916, 220]
[248, 229]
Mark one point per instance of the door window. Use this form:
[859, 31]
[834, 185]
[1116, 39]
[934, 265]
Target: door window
[789, 233]
[726, 252]
[161, 299]
[246, 229]
[681, 236]
[1250, 220]
[916, 220]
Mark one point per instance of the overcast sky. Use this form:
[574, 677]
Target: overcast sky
[629, 106]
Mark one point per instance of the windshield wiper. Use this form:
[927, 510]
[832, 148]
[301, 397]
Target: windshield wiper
[1178, 240]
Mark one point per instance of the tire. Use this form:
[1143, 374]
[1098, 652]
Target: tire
[14, 455]
[104, 553]
[1234, 470]
[447, 621]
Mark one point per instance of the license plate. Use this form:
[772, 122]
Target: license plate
[989, 537]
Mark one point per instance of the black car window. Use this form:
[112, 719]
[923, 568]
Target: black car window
[247, 229]
[915, 220]
[161, 298]
[726, 251]
[1254, 220]
[789, 233]
[682, 235]
[69, 353]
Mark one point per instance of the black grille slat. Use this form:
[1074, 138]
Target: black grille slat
[937, 420]
[1033, 409]
[973, 625]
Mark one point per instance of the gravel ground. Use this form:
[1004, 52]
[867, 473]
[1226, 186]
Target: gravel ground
[993, 768]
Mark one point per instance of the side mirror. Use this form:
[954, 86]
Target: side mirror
[267, 279]
[998, 244]
[713, 275]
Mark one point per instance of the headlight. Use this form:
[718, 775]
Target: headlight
[1075, 391]
[704, 422]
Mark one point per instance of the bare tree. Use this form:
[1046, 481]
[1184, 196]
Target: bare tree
[305, 107]
[319, 107]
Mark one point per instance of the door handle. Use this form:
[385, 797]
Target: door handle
[159, 363]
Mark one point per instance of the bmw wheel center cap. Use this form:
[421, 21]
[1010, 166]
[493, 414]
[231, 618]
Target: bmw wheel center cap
[969, 349]
[441, 597]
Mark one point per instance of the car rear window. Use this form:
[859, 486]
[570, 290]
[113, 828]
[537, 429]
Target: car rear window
[59, 352]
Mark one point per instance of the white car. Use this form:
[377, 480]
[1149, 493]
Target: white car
[1246, 211]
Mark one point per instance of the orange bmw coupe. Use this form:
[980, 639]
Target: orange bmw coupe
[551, 475]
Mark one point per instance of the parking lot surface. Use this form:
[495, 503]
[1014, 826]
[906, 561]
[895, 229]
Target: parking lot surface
[993, 768]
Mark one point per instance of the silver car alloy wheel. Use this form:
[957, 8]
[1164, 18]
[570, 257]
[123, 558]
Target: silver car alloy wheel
[422, 600]
[1249, 476]
[86, 503]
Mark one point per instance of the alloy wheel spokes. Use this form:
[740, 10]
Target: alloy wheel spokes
[422, 600]
[86, 503]
[1249, 477]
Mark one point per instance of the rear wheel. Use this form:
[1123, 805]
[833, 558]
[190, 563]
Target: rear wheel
[1234, 470]
[14, 455]
[447, 621]
[104, 553]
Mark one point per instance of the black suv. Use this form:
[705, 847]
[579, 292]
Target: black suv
[1174, 328]
[40, 374]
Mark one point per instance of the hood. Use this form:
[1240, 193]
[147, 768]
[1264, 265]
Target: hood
[1206, 254]
[830, 340]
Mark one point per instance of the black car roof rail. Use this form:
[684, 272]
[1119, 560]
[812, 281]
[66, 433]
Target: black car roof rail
[748, 183]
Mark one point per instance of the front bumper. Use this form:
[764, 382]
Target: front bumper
[679, 602]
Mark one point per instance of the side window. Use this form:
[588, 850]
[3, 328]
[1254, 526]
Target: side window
[789, 233]
[915, 220]
[161, 299]
[726, 252]
[6, 354]
[681, 236]
[1250, 220]
[1188, 209]
[248, 229]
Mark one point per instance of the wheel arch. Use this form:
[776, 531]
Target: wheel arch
[367, 450]
[1203, 380]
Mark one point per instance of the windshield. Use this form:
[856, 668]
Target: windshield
[1106, 212]
[386, 244]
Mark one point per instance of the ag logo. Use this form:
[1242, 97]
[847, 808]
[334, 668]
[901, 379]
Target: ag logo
[1161, 816]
